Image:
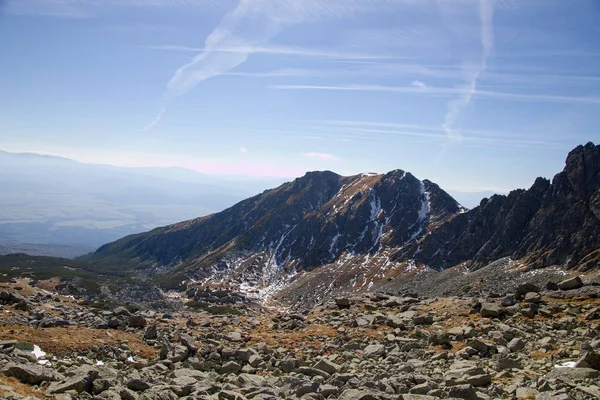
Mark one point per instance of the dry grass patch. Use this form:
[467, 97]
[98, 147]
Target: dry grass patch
[306, 338]
[64, 341]
[18, 388]
[538, 355]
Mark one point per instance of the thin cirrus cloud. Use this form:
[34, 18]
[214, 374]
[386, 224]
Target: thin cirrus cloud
[251, 24]
[322, 156]
[447, 92]
[243, 150]
[282, 50]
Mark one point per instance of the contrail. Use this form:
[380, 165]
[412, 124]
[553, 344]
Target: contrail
[248, 26]
[156, 120]
[486, 15]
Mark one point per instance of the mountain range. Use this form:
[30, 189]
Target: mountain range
[323, 233]
[48, 202]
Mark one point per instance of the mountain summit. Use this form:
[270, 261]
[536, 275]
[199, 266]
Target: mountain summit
[316, 220]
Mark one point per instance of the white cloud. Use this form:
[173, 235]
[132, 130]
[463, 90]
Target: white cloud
[447, 92]
[268, 49]
[243, 150]
[418, 84]
[322, 156]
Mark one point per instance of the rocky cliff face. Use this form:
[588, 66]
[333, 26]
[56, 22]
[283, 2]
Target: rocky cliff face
[323, 233]
[552, 223]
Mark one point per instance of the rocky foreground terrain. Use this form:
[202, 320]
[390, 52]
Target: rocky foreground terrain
[536, 342]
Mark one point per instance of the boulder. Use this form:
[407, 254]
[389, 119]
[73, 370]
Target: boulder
[589, 359]
[137, 321]
[80, 382]
[328, 366]
[137, 385]
[151, 333]
[525, 288]
[30, 374]
[491, 310]
[570, 284]
[374, 350]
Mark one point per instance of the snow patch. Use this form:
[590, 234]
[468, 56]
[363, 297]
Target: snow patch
[567, 364]
[423, 213]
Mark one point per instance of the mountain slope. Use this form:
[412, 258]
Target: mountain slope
[324, 234]
[313, 221]
[552, 223]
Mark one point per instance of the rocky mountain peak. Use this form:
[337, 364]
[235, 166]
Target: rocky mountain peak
[583, 169]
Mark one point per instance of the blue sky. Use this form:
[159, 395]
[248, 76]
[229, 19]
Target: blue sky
[474, 95]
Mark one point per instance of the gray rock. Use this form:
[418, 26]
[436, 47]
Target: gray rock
[306, 388]
[230, 367]
[374, 350]
[491, 310]
[30, 374]
[355, 394]
[589, 359]
[525, 288]
[328, 366]
[533, 297]
[516, 344]
[572, 374]
[570, 284]
[80, 382]
[121, 311]
[342, 302]
[137, 321]
[466, 392]
[137, 385]
[526, 393]
[151, 333]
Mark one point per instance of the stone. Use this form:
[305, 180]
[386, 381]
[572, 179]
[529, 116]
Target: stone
[570, 284]
[525, 288]
[466, 392]
[355, 394]
[572, 374]
[479, 380]
[137, 385]
[516, 344]
[328, 366]
[30, 374]
[121, 311]
[491, 310]
[342, 302]
[151, 332]
[137, 321]
[306, 388]
[80, 382]
[526, 393]
[589, 359]
[230, 367]
[533, 297]
[374, 350]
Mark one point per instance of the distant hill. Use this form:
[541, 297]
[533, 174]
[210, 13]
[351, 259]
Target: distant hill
[57, 201]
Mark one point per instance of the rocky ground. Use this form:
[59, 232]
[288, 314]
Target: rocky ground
[537, 342]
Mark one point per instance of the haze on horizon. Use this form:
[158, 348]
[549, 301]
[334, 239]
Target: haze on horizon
[475, 95]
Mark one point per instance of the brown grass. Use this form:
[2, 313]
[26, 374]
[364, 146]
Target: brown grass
[19, 388]
[537, 355]
[64, 341]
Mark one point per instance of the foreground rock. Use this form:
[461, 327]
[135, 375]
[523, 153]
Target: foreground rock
[372, 346]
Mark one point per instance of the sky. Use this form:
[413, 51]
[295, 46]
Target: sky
[472, 94]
